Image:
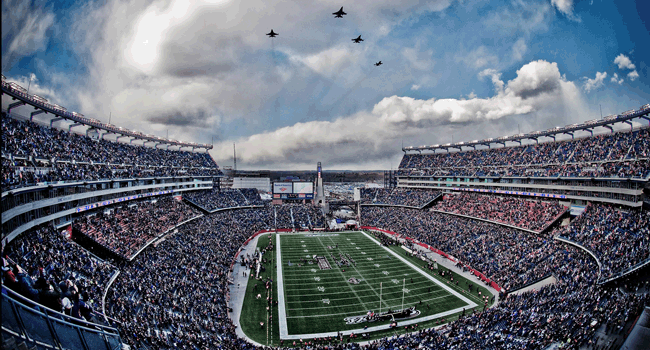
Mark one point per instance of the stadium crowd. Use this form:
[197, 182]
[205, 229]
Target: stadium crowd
[175, 296]
[620, 154]
[54, 271]
[224, 198]
[620, 239]
[127, 228]
[65, 156]
[490, 248]
[410, 198]
[532, 215]
[296, 216]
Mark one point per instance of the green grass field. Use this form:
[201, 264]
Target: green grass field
[319, 300]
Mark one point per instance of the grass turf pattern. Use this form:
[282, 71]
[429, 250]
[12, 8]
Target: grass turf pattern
[319, 300]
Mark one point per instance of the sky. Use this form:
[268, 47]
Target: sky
[204, 71]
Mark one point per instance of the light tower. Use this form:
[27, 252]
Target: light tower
[320, 192]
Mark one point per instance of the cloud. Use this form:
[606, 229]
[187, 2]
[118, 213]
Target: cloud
[479, 58]
[196, 66]
[633, 75]
[418, 60]
[520, 18]
[415, 87]
[495, 76]
[329, 62]
[536, 78]
[624, 62]
[616, 79]
[595, 83]
[566, 7]
[375, 133]
[519, 49]
[25, 27]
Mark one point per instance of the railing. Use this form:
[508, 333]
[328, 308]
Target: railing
[31, 321]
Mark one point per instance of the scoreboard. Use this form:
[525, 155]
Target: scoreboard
[293, 190]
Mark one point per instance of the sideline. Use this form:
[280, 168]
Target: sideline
[282, 313]
[238, 289]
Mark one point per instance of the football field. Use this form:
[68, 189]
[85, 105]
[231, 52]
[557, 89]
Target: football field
[329, 282]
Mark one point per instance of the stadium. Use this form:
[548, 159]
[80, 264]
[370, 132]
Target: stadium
[117, 239]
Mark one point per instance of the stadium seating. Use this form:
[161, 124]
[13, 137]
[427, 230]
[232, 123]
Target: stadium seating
[224, 198]
[620, 154]
[126, 229]
[523, 213]
[619, 238]
[68, 156]
[174, 295]
[49, 258]
[399, 197]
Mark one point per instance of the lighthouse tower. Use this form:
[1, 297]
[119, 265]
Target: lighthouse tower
[320, 192]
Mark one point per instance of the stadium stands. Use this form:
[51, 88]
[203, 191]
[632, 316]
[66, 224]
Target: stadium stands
[620, 154]
[63, 156]
[398, 197]
[126, 229]
[224, 198]
[522, 213]
[53, 268]
[619, 238]
[487, 247]
[296, 216]
[174, 295]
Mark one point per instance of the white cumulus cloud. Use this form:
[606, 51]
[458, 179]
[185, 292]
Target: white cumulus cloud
[566, 7]
[616, 79]
[633, 75]
[624, 62]
[376, 133]
[595, 83]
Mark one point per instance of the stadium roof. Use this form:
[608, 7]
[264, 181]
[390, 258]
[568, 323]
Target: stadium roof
[606, 122]
[18, 92]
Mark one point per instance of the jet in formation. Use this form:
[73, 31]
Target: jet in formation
[378, 64]
[339, 13]
[357, 39]
[272, 34]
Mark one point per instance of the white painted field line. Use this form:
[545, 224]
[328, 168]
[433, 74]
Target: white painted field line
[342, 275]
[362, 311]
[282, 315]
[283, 318]
[470, 303]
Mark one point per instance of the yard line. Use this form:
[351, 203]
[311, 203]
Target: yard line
[342, 275]
[397, 298]
[364, 280]
[470, 304]
[349, 312]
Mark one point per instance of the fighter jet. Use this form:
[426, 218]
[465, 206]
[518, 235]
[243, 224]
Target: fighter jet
[357, 39]
[272, 34]
[378, 64]
[339, 13]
